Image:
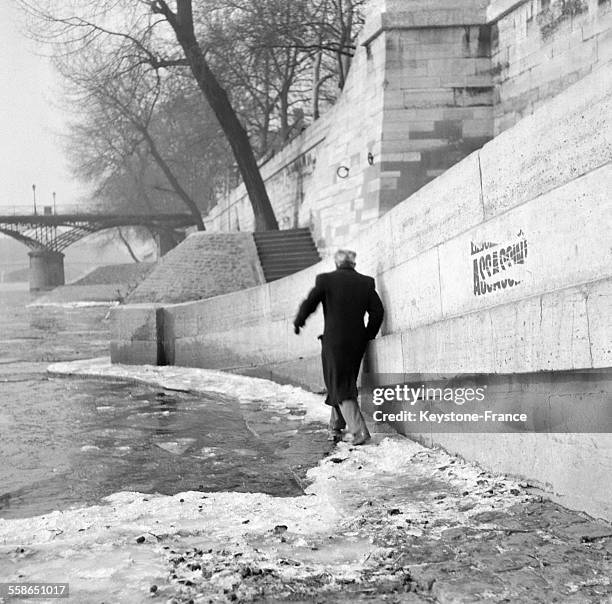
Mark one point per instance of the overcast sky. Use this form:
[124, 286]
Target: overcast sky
[31, 151]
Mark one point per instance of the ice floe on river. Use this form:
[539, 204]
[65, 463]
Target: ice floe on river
[248, 389]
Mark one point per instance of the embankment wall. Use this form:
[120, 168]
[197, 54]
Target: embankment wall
[205, 265]
[202, 266]
[540, 47]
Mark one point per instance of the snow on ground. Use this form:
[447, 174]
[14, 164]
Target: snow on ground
[202, 544]
[81, 304]
[224, 546]
[244, 388]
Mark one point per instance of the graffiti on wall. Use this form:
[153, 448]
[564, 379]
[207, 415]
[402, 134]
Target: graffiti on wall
[498, 266]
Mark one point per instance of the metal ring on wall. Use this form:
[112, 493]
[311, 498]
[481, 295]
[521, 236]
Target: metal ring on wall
[342, 172]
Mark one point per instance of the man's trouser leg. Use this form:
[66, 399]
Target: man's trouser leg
[336, 425]
[336, 420]
[354, 420]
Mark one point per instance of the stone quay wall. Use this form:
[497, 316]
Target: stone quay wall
[205, 265]
[431, 81]
[540, 47]
[202, 266]
[541, 191]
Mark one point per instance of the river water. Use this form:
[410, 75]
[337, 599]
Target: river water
[66, 442]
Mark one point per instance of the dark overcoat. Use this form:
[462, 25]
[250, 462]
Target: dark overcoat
[346, 296]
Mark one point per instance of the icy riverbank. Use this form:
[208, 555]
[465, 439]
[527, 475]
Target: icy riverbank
[377, 522]
[183, 379]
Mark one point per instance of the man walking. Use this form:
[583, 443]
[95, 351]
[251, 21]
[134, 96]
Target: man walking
[346, 296]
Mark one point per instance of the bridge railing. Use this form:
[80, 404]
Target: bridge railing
[50, 210]
[77, 210]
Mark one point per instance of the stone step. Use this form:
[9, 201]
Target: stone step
[285, 270]
[301, 260]
[284, 240]
[278, 265]
[281, 233]
[283, 253]
[280, 275]
[287, 253]
[275, 243]
[270, 266]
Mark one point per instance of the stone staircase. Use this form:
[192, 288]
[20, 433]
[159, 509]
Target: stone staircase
[283, 253]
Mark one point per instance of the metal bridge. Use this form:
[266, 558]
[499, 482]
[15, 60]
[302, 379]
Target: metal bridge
[55, 231]
[48, 233]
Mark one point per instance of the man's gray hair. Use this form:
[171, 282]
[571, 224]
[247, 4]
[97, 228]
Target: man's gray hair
[345, 258]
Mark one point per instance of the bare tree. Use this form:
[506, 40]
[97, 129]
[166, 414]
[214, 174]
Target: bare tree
[140, 40]
[127, 244]
[291, 36]
[120, 111]
[341, 21]
[182, 22]
[268, 77]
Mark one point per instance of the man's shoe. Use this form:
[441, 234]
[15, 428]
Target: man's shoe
[334, 435]
[361, 438]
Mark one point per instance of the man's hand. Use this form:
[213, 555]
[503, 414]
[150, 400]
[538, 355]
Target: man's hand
[296, 329]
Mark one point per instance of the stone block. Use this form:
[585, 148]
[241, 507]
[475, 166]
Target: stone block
[435, 51]
[604, 47]
[420, 83]
[305, 372]
[557, 257]
[393, 99]
[468, 96]
[385, 354]
[479, 81]
[544, 333]
[598, 23]
[561, 463]
[572, 59]
[133, 352]
[599, 303]
[498, 9]
[447, 35]
[375, 252]
[461, 113]
[204, 265]
[135, 322]
[388, 184]
[569, 136]
[411, 292]
[440, 210]
[199, 352]
[556, 86]
[397, 76]
[481, 127]
[182, 319]
[456, 67]
[432, 17]
[409, 157]
[438, 97]
[395, 131]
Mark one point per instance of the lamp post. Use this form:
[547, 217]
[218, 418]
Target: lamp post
[54, 211]
[34, 194]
